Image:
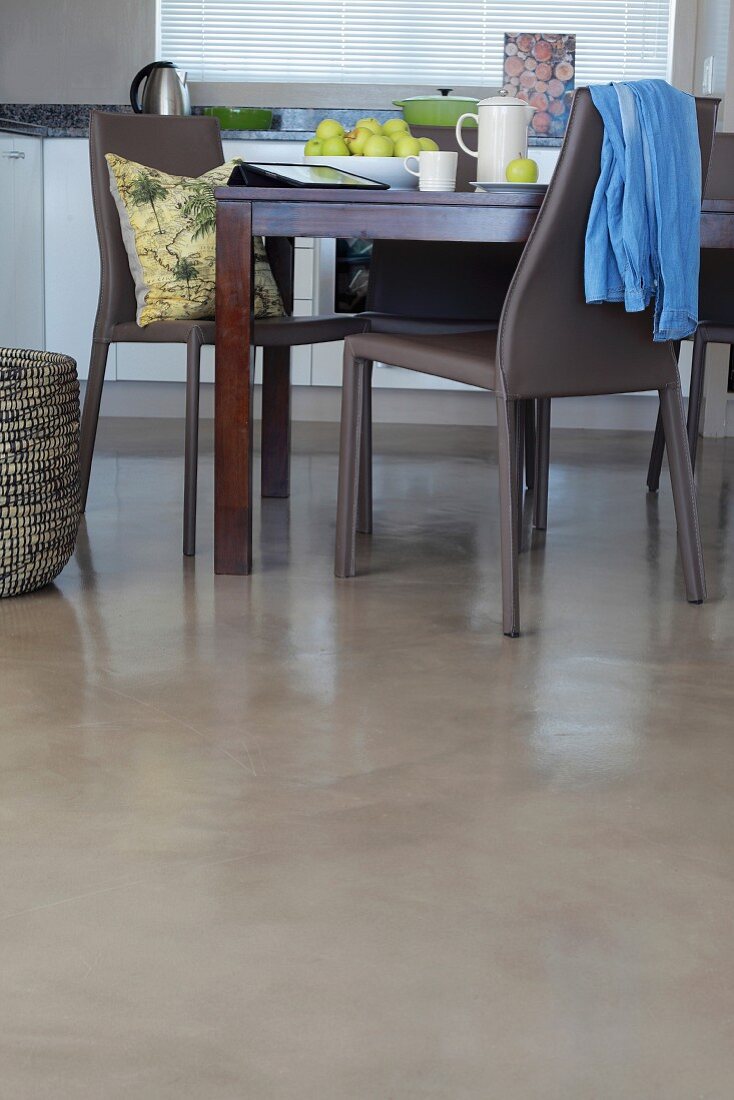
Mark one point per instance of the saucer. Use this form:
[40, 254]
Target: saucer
[533, 188]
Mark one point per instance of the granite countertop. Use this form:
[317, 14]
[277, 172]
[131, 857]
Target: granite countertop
[71, 120]
[27, 129]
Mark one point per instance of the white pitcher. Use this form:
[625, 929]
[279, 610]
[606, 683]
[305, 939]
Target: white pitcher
[503, 124]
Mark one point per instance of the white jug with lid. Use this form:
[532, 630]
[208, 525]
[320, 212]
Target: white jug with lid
[503, 122]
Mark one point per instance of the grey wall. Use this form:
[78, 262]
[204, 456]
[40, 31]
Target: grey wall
[73, 51]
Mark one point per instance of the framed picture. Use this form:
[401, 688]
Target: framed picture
[541, 69]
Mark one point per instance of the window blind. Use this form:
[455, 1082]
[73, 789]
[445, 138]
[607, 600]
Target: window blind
[437, 42]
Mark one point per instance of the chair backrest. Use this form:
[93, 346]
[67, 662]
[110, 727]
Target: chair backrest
[185, 146]
[437, 280]
[720, 182]
[716, 283]
[550, 342]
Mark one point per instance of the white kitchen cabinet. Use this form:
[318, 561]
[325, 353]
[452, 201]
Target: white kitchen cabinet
[21, 242]
[71, 252]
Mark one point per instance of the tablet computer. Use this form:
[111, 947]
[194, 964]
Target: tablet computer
[299, 175]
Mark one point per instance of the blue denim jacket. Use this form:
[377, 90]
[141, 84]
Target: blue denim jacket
[643, 233]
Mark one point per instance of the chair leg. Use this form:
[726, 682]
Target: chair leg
[542, 464]
[507, 422]
[698, 369]
[90, 416]
[530, 443]
[684, 493]
[191, 440]
[520, 439]
[695, 400]
[276, 423]
[364, 505]
[353, 388]
[656, 455]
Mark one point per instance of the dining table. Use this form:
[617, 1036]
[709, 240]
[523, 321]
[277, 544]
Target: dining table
[244, 213]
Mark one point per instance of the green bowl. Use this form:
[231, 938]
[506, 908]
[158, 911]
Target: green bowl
[241, 118]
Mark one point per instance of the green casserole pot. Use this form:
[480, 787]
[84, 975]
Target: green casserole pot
[437, 110]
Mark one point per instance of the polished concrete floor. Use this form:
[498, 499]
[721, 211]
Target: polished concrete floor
[286, 837]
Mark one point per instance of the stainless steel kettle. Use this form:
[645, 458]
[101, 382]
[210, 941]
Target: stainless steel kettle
[165, 91]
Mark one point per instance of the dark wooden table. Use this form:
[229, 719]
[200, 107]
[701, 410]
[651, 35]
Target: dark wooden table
[245, 212]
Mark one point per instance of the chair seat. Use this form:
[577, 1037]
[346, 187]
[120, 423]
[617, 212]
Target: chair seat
[269, 332]
[467, 357]
[420, 326]
[160, 332]
[287, 331]
[279, 332]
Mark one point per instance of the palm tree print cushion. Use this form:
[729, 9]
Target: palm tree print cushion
[168, 228]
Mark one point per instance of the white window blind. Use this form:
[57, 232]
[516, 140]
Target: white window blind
[437, 42]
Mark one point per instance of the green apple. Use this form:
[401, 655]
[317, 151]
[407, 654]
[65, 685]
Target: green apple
[407, 146]
[393, 126]
[312, 148]
[428, 145]
[370, 124]
[378, 146]
[522, 170]
[334, 147]
[329, 128]
[357, 139]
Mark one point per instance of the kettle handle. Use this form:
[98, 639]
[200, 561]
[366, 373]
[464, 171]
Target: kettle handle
[137, 80]
[471, 152]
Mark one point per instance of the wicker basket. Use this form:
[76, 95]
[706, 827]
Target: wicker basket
[39, 467]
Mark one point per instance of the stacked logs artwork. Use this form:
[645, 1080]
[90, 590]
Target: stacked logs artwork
[540, 68]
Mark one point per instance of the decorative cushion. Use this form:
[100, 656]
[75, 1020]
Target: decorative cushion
[168, 227]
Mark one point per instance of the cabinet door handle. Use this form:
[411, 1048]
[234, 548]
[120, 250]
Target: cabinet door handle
[14, 154]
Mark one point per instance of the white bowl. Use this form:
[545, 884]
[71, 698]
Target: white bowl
[388, 170]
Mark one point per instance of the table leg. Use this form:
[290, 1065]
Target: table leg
[233, 405]
[275, 445]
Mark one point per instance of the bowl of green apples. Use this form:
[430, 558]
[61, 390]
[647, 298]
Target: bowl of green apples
[371, 149]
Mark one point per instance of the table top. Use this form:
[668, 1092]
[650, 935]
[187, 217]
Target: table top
[718, 206]
[412, 197]
[309, 211]
[393, 196]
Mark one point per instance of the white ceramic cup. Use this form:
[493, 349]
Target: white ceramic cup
[436, 170]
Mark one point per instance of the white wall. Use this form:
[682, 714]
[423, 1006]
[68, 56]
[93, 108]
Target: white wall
[712, 34]
[73, 51]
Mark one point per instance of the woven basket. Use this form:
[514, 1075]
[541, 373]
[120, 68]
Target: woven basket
[39, 467]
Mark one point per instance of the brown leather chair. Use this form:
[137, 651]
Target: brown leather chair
[706, 112]
[421, 287]
[604, 350]
[186, 146]
[715, 307]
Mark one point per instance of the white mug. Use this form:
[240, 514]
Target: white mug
[436, 170]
